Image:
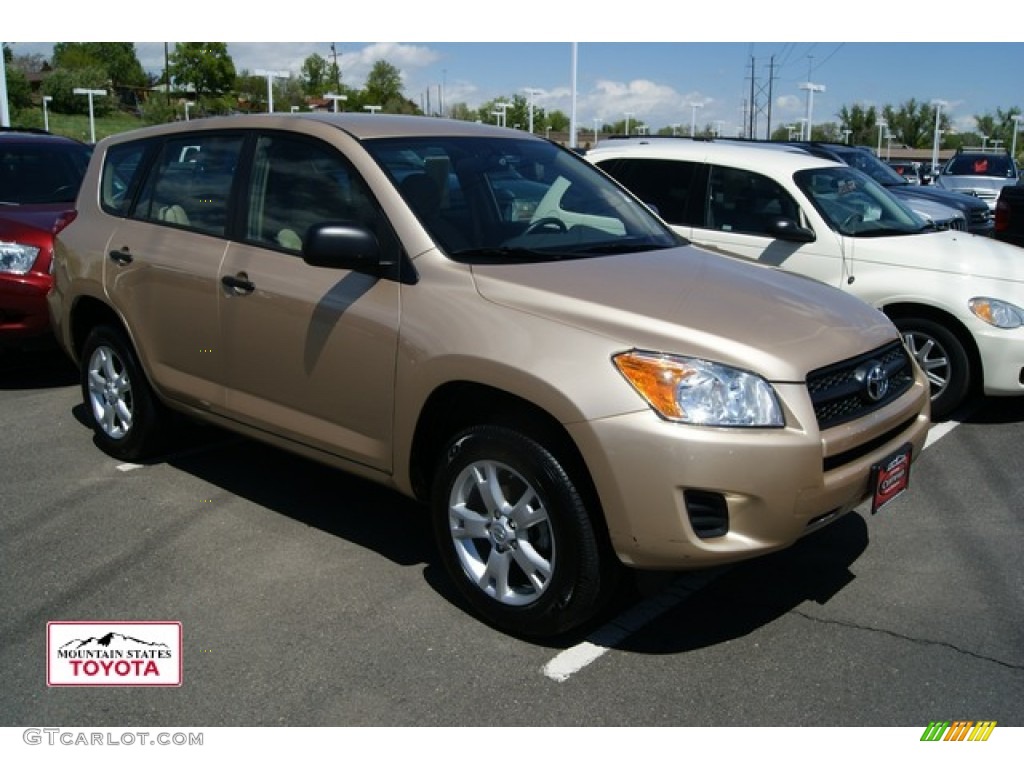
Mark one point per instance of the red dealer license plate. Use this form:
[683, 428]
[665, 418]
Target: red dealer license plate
[890, 477]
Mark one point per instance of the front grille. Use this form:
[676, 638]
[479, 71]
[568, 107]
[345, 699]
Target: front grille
[957, 224]
[979, 217]
[848, 390]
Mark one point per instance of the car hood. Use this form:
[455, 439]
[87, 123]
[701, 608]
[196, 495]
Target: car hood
[692, 302]
[950, 252]
[974, 182]
[938, 195]
[42, 217]
[932, 209]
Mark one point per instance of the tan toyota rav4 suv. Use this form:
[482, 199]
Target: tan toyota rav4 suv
[484, 321]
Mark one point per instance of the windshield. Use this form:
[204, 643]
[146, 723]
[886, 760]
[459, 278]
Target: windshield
[855, 205]
[865, 161]
[38, 173]
[981, 165]
[514, 199]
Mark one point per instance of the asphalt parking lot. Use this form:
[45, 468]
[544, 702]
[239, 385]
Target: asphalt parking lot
[309, 598]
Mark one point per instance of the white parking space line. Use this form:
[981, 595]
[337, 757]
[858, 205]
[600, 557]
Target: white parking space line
[573, 659]
[939, 431]
[128, 467]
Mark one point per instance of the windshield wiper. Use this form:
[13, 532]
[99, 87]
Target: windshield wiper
[497, 255]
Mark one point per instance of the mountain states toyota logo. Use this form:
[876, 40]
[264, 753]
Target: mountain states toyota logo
[115, 653]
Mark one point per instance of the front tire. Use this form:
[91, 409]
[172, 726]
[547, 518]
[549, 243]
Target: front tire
[122, 410]
[942, 357]
[515, 535]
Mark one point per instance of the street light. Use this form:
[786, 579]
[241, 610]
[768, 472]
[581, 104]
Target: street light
[503, 106]
[1016, 127]
[46, 115]
[628, 115]
[938, 104]
[531, 92]
[811, 89]
[336, 97]
[880, 124]
[90, 92]
[984, 142]
[597, 120]
[270, 74]
[693, 118]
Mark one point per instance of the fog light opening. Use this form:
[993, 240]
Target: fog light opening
[708, 513]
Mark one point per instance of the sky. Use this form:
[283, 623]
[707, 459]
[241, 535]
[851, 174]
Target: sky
[656, 82]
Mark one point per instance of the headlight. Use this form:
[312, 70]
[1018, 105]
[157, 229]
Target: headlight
[1001, 314]
[695, 391]
[17, 258]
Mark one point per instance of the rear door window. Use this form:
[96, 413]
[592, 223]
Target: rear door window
[194, 192]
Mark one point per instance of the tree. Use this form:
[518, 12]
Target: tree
[999, 127]
[61, 83]
[314, 75]
[203, 68]
[912, 123]
[119, 60]
[383, 85]
[862, 124]
[19, 93]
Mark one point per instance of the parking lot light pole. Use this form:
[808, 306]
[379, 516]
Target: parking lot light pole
[90, 92]
[938, 104]
[1016, 128]
[880, 124]
[811, 89]
[693, 118]
[46, 114]
[270, 75]
[336, 97]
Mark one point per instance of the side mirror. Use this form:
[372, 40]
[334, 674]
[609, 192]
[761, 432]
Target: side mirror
[789, 230]
[343, 245]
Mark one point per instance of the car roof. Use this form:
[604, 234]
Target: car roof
[35, 136]
[766, 158]
[359, 125]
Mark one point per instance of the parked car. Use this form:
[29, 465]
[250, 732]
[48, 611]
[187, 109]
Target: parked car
[567, 383]
[980, 174]
[39, 178]
[957, 299]
[929, 201]
[1010, 214]
[908, 171]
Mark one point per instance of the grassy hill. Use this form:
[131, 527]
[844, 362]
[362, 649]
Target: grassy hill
[77, 126]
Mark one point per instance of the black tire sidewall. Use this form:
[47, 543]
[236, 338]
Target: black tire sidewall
[576, 590]
[141, 439]
[958, 385]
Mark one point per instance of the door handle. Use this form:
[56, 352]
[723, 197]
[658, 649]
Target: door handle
[238, 284]
[122, 256]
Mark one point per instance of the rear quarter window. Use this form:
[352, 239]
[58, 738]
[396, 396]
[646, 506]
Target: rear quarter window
[122, 168]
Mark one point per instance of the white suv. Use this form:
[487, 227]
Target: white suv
[957, 298]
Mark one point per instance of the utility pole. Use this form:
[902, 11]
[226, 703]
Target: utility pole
[337, 70]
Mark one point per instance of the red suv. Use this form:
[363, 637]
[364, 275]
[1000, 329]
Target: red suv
[40, 175]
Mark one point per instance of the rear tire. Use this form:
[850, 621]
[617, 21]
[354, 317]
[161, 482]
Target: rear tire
[122, 409]
[515, 535]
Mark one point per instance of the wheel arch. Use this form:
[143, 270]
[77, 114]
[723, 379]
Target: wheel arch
[949, 321]
[88, 313]
[457, 405]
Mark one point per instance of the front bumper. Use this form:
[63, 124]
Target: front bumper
[778, 484]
